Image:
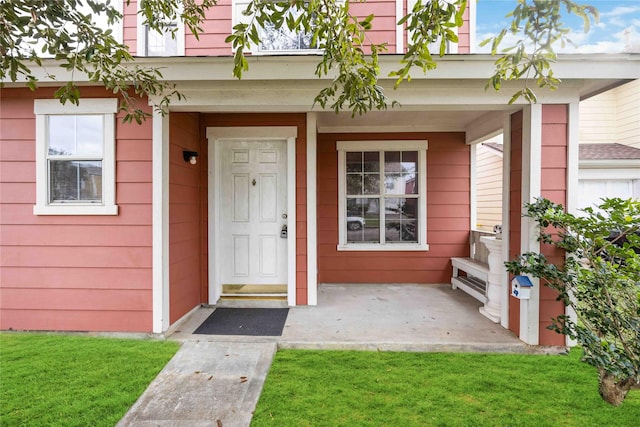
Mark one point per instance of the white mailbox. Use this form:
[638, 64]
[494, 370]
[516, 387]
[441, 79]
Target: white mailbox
[521, 287]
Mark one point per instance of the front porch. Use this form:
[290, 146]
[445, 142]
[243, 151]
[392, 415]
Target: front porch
[389, 317]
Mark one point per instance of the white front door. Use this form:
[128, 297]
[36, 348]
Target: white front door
[253, 211]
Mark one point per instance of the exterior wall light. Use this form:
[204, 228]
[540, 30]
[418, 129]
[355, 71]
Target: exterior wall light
[190, 156]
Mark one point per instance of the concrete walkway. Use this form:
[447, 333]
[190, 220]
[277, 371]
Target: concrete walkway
[216, 380]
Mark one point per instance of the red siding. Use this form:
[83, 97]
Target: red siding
[447, 216]
[384, 23]
[186, 275]
[130, 25]
[553, 187]
[464, 33]
[298, 120]
[216, 27]
[90, 273]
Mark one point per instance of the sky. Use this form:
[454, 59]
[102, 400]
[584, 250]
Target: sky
[618, 29]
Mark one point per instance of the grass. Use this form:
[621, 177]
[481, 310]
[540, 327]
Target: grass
[330, 388]
[64, 380]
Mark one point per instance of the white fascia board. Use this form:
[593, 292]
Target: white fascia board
[610, 164]
[457, 67]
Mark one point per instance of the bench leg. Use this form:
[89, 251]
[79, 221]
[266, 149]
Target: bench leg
[455, 274]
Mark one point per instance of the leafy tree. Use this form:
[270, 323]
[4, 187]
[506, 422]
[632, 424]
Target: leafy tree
[68, 31]
[599, 280]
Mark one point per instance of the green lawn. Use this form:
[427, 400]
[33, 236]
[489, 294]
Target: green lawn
[331, 388]
[64, 380]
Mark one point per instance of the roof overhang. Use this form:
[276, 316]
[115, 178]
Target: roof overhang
[288, 84]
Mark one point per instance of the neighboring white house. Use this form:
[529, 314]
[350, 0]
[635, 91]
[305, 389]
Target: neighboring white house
[609, 155]
[610, 145]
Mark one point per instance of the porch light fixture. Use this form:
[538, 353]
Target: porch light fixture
[190, 156]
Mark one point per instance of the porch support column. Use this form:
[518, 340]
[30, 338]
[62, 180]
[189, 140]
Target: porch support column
[160, 222]
[531, 188]
[312, 224]
[506, 225]
[573, 141]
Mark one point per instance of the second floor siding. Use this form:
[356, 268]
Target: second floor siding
[221, 18]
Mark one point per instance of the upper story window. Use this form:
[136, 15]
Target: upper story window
[170, 42]
[382, 195]
[272, 40]
[75, 157]
[161, 44]
[434, 47]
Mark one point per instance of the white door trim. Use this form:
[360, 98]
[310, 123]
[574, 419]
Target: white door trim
[289, 133]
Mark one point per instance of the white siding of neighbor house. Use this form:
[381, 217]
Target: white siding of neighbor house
[612, 116]
[488, 187]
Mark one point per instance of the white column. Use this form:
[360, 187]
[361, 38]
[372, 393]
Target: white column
[531, 188]
[506, 226]
[312, 224]
[493, 307]
[160, 221]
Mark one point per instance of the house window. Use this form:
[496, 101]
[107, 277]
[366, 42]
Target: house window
[272, 40]
[434, 47]
[382, 195]
[169, 42]
[75, 157]
[164, 43]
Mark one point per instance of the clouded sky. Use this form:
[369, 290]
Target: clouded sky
[618, 29]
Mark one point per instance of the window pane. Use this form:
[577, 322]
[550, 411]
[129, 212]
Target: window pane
[272, 39]
[363, 220]
[62, 135]
[401, 172]
[354, 162]
[401, 220]
[75, 135]
[371, 161]
[392, 162]
[163, 43]
[363, 176]
[75, 181]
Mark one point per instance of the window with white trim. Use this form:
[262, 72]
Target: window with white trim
[168, 42]
[274, 41]
[382, 195]
[75, 157]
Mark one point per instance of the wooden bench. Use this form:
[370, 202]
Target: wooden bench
[475, 281]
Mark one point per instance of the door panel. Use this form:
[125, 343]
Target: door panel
[253, 196]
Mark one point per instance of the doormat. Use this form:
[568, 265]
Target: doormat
[260, 322]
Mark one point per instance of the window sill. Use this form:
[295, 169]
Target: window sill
[75, 210]
[384, 248]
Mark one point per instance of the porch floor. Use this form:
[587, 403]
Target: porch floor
[403, 317]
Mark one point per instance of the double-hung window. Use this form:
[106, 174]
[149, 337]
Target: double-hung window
[75, 157]
[276, 41]
[382, 195]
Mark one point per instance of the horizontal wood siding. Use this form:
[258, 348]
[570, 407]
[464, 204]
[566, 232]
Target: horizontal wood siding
[384, 24]
[628, 113]
[553, 187]
[185, 222]
[464, 33]
[612, 116]
[488, 188]
[81, 273]
[215, 28]
[300, 121]
[447, 216]
[130, 26]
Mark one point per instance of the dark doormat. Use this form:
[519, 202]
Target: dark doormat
[245, 321]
